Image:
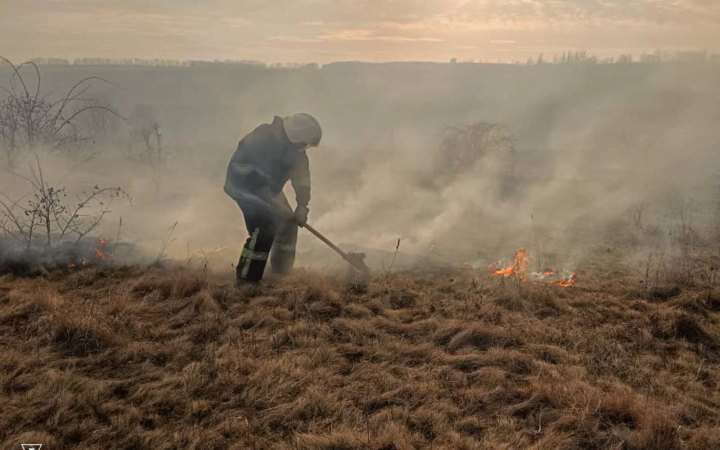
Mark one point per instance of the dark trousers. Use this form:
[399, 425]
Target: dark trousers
[270, 238]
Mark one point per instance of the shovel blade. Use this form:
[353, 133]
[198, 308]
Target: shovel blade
[357, 261]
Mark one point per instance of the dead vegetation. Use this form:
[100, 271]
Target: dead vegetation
[48, 216]
[180, 359]
[32, 119]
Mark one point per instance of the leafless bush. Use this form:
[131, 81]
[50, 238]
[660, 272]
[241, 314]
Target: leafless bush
[462, 147]
[101, 126]
[655, 270]
[48, 216]
[29, 120]
[481, 147]
[145, 130]
[688, 241]
[169, 239]
[680, 250]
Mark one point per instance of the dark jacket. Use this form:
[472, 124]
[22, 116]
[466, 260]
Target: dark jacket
[264, 161]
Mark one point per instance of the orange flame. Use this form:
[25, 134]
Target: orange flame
[101, 252]
[567, 282]
[518, 268]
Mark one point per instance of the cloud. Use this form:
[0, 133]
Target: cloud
[372, 35]
[322, 29]
[294, 39]
[583, 11]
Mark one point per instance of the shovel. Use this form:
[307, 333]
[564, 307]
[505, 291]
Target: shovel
[356, 260]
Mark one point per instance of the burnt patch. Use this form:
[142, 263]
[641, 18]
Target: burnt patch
[686, 327]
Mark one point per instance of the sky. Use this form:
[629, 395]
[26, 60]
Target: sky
[339, 30]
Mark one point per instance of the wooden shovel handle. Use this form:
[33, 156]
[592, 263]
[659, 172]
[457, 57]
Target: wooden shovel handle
[337, 249]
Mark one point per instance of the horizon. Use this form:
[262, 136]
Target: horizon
[572, 56]
[323, 31]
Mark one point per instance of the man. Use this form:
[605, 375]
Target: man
[264, 161]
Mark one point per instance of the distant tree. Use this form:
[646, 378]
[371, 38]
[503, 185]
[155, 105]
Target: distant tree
[651, 58]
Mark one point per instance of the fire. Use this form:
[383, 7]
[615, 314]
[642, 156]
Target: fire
[508, 271]
[101, 253]
[567, 282]
[101, 250]
[518, 268]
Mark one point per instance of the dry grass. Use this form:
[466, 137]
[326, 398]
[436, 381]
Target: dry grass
[168, 359]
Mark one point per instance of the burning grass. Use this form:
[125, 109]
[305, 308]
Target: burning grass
[171, 358]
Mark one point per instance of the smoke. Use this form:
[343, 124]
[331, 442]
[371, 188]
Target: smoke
[588, 143]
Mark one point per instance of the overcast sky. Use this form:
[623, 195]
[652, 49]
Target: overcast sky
[373, 30]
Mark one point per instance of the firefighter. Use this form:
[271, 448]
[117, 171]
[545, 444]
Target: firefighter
[264, 161]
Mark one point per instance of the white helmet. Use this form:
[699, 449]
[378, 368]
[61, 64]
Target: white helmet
[302, 129]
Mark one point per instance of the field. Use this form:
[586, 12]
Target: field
[121, 327]
[171, 358]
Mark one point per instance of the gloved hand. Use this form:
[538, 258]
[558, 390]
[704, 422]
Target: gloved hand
[301, 215]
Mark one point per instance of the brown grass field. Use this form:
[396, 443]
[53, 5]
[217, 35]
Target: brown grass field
[131, 358]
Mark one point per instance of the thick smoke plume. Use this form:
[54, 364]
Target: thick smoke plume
[561, 159]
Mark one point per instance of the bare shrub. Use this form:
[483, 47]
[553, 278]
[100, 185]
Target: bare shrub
[49, 216]
[145, 130]
[687, 240]
[30, 119]
[463, 148]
